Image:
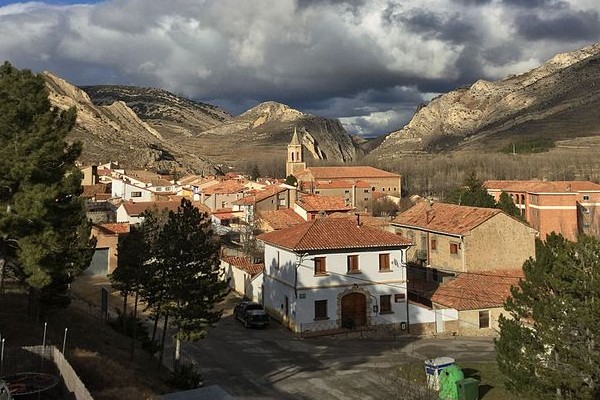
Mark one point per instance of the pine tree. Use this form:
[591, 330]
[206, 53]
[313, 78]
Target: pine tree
[506, 204]
[548, 348]
[471, 193]
[43, 230]
[188, 260]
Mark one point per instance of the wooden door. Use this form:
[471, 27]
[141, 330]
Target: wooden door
[354, 310]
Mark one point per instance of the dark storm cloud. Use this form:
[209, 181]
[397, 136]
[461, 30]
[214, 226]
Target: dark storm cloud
[451, 28]
[568, 26]
[368, 62]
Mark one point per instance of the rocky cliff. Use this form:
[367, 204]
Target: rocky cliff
[114, 132]
[263, 133]
[558, 100]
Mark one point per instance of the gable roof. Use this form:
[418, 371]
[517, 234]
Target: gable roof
[135, 209]
[282, 218]
[225, 187]
[542, 186]
[259, 195]
[244, 264]
[355, 172]
[332, 234]
[445, 218]
[90, 191]
[116, 228]
[471, 291]
[315, 202]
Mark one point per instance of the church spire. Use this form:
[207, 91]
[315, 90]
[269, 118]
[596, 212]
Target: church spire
[295, 141]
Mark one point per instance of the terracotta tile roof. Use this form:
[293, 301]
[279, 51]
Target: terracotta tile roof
[244, 263]
[341, 184]
[225, 187]
[280, 219]
[258, 195]
[135, 209]
[90, 191]
[149, 177]
[356, 172]
[446, 218]
[314, 202]
[365, 218]
[332, 234]
[113, 228]
[542, 186]
[469, 291]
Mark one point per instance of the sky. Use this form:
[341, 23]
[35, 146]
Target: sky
[369, 63]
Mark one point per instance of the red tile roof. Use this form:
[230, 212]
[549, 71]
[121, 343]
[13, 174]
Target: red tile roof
[259, 195]
[341, 184]
[446, 218]
[470, 291]
[353, 172]
[365, 218]
[542, 186]
[314, 202]
[90, 191]
[134, 209]
[280, 219]
[332, 234]
[225, 187]
[244, 263]
[114, 228]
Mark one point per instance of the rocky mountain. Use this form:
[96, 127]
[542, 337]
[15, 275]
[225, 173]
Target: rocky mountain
[258, 135]
[170, 114]
[114, 132]
[263, 132]
[558, 101]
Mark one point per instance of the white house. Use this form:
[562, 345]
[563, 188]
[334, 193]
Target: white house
[333, 273]
[244, 276]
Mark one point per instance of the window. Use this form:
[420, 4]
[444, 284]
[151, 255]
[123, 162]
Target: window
[453, 248]
[399, 297]
[277, 264]
[586, 197]
[320, 309]
[484, 319]
[385, 304]
[366, 190]
[353, 264]
[136, 194]
[433, 244]
[282, 202]
[346, 191]
[317, 191]
[159, 189]
[398, 232]
[320, 267]
[384, 262]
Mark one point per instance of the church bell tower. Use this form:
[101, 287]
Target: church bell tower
[295, 157]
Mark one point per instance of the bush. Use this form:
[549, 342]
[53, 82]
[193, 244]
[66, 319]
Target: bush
[127, 327]
[187, 377]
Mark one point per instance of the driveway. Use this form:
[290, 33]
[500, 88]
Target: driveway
[272, 364]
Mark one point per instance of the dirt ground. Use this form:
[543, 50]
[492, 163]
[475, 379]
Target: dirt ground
[99, 354]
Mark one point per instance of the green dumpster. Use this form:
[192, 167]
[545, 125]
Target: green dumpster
[468, 389]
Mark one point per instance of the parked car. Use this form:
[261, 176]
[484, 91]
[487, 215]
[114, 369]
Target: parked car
[251, 314]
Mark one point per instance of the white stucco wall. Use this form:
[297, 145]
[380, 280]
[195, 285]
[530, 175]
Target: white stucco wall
[123, 190]
[280, 281]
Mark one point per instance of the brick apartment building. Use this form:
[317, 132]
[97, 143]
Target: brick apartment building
[566, 207]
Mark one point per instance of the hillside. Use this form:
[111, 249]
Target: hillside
[556, 102]
[114, 132]
[263, 132]
[170, 114]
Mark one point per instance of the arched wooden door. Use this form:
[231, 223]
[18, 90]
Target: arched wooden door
[354, 310]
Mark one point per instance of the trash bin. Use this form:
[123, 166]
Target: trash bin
[433, 368]
[468, 389]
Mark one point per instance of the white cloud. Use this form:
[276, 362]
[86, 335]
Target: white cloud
[330, 57]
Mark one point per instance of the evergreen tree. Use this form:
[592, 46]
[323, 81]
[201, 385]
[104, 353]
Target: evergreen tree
[471, 193]
[548, 348]
[291, 180]
[188, 259]
[43, 230]
[506, 204]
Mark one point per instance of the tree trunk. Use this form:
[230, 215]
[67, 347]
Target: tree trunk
[133, 336]
[156, 317]
[162, 344]
[124, 314]
[2, 275]
[177, 354]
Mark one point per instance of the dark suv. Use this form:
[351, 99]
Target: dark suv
[251, 314]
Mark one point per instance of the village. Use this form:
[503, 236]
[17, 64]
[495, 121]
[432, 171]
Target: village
[311, 253]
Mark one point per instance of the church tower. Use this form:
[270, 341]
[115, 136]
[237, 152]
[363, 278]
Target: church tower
[295, 158]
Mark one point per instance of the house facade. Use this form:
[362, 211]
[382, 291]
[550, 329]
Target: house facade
[570, 208]
[333, 273]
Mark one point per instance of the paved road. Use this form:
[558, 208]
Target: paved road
[272, 364]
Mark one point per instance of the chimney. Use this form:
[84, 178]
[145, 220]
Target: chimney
[358, 223]
[429, 211]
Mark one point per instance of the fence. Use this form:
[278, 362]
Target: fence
[48, 360]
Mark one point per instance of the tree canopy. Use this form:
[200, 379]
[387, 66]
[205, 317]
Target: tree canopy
[548, 348]
[44, 234]
[471, 193]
